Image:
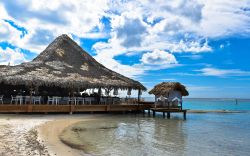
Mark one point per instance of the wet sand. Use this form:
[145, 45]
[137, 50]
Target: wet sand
[36, 135]
[50, 131]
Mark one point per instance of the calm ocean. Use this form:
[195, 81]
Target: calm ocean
[202, 134]
[213, 104]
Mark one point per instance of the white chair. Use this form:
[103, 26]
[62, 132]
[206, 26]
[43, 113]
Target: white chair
[19, 100]
[1, 99]
[13, 99]
[50, 100]
[72, 100]
[123, 100]
[80, 100]
[56, 100]
[88, 100]
[176, 101]
[37, 99]
[103, 101]
[116, 100]
[27, 99]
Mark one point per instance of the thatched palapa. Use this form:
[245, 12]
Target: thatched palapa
[165, 88]
[65, 64]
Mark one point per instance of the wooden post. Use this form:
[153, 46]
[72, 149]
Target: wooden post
[168, 115]
[155, 101]
[71, 109]
[163, 113]
[139, 96]
[148, 112]
[184, 115]
[153, 113]
[181, 104]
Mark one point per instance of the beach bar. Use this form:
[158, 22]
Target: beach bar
[65, 78]
[168, 98]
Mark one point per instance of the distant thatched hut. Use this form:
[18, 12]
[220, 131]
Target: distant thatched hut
[169, 93]
[63, 67]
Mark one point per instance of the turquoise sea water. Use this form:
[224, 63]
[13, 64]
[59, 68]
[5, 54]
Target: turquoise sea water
[214, 104]
[205, 134]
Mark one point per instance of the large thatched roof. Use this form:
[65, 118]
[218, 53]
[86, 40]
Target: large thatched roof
[65, 64]
[165, 87]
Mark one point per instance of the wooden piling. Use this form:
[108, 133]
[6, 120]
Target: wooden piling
[168, 115]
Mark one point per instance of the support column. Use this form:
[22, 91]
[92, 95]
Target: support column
[153, 113]
[184, 115]
[181, 104]
[148, 112]
[163, 113]
[168, 115]
[139, 96]
[155, 101]
[71, 109]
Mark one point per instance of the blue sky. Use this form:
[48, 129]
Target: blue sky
[202, 44]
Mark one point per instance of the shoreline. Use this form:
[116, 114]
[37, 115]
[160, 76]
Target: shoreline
[50, 131]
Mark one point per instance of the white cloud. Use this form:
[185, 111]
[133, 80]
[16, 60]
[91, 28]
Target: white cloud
[223, 72]
[44, 21]
[224, 18]
[11, 56]
[135, 26]
[193, 57]
[130, 71]
[158, 57]
[8, 33]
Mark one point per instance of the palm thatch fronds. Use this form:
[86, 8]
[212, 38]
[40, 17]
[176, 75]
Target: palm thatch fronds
[165, 87]
[65, 64]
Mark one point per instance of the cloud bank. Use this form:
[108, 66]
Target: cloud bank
[154, 29]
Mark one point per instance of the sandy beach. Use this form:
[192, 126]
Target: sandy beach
[23, 135]
[19, 136]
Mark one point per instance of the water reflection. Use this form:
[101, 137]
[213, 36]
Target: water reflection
[123, 135]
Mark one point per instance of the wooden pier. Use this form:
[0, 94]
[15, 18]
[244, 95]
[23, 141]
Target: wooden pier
[12, 108]
[45, 108]
[168, 111]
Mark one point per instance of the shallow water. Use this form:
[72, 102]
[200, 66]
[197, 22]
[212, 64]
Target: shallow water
[201, 134]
